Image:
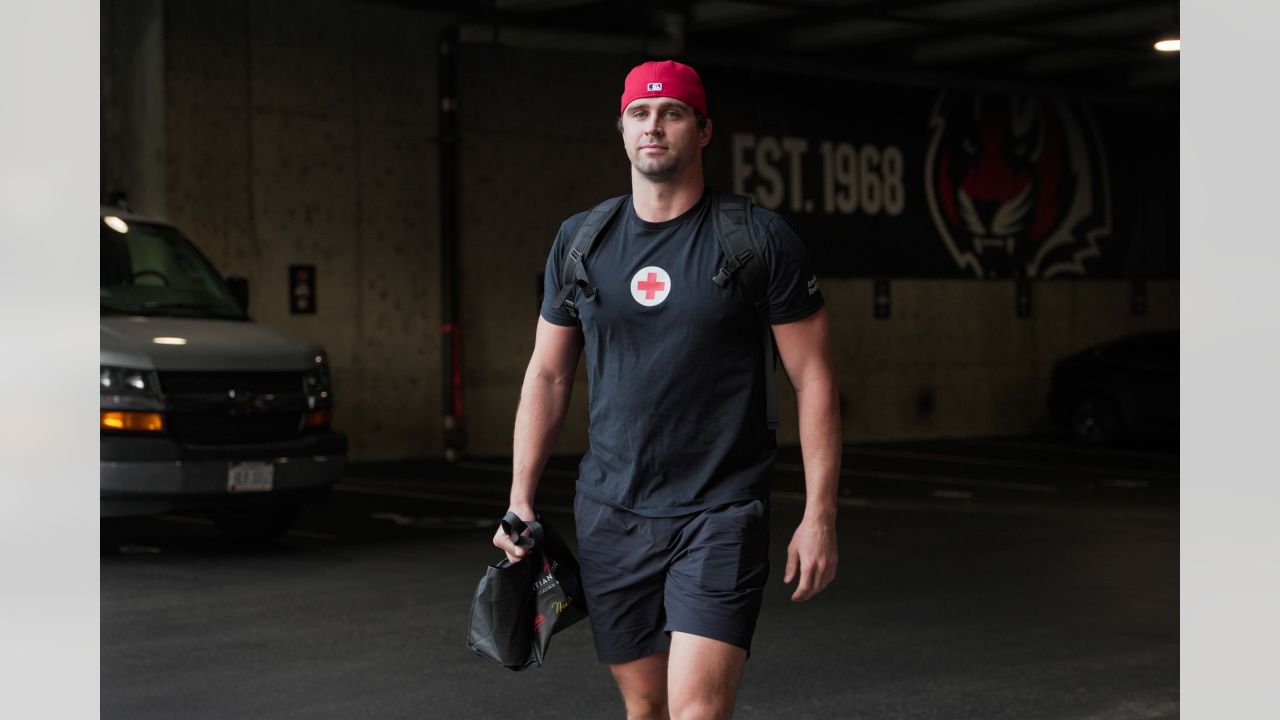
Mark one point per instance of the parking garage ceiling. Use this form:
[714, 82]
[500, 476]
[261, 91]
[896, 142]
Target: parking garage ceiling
[1086, 47]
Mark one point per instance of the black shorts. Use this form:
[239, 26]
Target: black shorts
[644, 577]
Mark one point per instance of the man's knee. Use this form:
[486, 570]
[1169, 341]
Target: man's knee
[645, 701]
[701, 708]
[646, 708]
[643, 684]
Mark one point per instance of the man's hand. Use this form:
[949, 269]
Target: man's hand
[503, 542]
[812, 555]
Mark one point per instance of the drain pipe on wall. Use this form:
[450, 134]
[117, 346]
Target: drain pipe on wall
[454, 435]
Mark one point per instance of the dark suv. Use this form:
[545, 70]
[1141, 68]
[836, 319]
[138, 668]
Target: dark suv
[1124, 387]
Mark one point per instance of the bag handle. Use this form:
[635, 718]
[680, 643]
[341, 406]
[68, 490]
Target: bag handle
[514, 527]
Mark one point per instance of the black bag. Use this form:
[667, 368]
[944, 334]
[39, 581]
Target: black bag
[517, 608]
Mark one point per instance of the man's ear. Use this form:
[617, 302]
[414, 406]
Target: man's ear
[704, 135]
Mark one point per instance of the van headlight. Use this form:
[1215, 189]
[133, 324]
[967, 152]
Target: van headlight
[130, 400]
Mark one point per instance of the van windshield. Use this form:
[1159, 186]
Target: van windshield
[150, 269]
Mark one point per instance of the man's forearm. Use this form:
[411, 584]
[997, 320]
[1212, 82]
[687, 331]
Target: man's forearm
[544, 402]
[818, 407]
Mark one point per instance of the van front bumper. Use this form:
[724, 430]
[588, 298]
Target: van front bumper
[153, 475]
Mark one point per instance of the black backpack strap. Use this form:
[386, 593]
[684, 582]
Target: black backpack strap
[744, 259]
[573, 275]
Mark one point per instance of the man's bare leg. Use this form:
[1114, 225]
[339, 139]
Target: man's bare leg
[643, 684]
[703, 677]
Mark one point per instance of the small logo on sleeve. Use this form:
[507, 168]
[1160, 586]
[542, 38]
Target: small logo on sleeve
[655, 87]
[813, 284]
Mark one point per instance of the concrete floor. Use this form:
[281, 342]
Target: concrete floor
[978, 579]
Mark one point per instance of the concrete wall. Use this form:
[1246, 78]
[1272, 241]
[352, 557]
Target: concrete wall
[530, 159]
[305, 132]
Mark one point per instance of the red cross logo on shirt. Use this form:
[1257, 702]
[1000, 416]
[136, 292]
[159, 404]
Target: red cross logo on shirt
[650, 286]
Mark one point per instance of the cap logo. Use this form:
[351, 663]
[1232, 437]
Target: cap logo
[666, 78]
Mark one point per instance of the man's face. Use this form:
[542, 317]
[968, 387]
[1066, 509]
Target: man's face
[661, 136]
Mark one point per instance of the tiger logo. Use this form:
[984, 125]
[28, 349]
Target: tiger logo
[1017, 187]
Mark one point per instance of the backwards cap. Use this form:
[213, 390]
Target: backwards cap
[666, 78]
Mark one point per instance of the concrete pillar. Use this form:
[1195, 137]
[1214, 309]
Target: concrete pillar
[133, 104]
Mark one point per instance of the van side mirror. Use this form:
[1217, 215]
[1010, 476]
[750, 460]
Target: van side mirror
[239, 288]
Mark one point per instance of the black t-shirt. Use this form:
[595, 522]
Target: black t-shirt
[675, 363]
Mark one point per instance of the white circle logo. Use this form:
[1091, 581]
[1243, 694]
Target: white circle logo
[650, 286]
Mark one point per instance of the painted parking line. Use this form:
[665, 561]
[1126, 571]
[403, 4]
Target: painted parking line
[186, 520]
[794, 498]
[1103, 452]
[777, 496]
[798, 498]
[434, 522]
[1127, 484]
[943, 502]
[864, 474]
[189, 520]
[932, 479]
[440, 497]
[312, 534]
[999, 462]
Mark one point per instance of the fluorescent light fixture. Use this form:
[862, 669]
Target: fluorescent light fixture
[116, 224]
[169, 341]
[1170, 45]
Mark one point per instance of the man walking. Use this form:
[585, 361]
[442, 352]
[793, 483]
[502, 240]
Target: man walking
[672, 495]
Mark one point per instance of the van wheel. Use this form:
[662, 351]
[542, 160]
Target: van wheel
[257, 524]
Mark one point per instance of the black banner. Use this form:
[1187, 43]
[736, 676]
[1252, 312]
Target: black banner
[906, 182]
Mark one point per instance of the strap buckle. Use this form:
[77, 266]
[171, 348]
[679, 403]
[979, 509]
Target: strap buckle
[732, 266]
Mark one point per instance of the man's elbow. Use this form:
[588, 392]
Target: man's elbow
[549, 377]
[814, 381]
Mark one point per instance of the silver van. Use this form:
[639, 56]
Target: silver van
[204, 410]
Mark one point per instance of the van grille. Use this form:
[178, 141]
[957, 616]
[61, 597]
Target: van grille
[224, 430]
[219, 383]
[222, 408]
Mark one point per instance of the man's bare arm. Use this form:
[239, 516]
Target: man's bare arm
[804, 347]
[544, 402]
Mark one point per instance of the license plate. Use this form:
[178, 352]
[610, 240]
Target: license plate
[250, 477]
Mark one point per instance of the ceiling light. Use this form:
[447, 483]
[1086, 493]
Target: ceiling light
[1170, 45]
[116, 224]
[169, 341]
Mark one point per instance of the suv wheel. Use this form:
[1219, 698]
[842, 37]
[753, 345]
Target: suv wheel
[1095, 420]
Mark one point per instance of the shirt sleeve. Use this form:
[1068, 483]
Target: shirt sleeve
[551, 274]
[793, 286]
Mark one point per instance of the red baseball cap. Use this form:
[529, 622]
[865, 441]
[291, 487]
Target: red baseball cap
[666, 78]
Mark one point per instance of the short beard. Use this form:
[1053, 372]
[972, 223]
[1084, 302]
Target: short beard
[658, 170]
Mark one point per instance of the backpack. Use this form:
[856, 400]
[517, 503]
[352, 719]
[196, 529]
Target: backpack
[731, 222]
